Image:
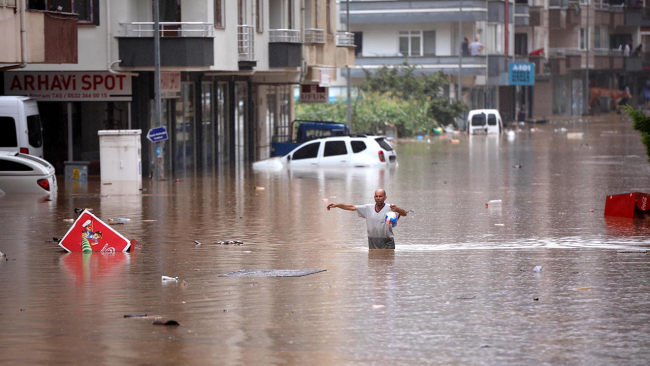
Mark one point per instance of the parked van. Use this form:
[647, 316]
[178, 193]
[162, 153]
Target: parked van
[20, 126]
[484, 121]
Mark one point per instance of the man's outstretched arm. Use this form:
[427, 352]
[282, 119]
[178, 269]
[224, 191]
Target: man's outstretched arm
[343, 206]
[400, 211]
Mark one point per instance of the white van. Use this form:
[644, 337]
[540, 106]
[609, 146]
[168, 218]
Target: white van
[484, 121]
[20, 126]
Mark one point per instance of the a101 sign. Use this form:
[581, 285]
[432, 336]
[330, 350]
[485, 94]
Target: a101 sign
[521, 73]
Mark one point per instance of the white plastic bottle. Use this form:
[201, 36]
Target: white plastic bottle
[167, 278]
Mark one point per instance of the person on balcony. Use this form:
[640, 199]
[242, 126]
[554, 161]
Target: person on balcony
[476, 47]
[465, 47]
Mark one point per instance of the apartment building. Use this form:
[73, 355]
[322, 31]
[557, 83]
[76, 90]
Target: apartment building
[228, 72]
[571, 43]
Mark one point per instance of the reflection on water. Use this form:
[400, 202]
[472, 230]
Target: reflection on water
[458, 289]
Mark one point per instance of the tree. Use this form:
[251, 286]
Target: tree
[641, 123]
[408, 82]
[404, 95]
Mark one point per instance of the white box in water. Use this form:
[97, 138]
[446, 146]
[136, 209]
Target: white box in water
[120, 156]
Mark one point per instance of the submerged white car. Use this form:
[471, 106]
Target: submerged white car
[23, 173]
[340, 151]
[484, 121]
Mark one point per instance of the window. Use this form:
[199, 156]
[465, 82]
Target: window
[581, 39]
[220, 13]
[597, 43]
[259, 16]
[521, 44]
[333, 148]
[494, 40]
[358, 146]
[410, 43]
[328, 16]
[429, 43]
[88, 10]
[8, 136]
[478, 119]
[34, 132]
[12, 166]
[492, 120]
[307, 152]
[384, 145]
[358, 43]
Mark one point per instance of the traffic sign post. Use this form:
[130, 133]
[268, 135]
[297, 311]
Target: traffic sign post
[157, 134]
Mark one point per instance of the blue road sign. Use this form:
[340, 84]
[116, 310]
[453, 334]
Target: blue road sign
[157, 134]
[521, 73]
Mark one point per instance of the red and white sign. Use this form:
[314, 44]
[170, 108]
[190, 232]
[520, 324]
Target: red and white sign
[170, 84]
[90, 234]
[69, 86]
[313, 94]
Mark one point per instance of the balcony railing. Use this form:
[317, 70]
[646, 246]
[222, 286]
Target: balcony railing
[246, 42]
[168, 29]
[345, 39]
[284, 36]
[607, 52]
[567, 51]
[8, 3]
[313, 35]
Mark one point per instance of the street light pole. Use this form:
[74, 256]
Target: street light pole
[159, 158]
[460, 55]
[347, 68]
[587, 40]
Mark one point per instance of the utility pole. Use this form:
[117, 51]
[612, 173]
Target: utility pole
[587, 45]
[347, 68]
[460, 55]
[159, 158]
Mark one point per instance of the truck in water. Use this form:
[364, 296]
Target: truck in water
[289, 137]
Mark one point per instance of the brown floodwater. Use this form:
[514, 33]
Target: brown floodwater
[459, 289]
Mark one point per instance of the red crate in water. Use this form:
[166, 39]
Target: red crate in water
[627, 204]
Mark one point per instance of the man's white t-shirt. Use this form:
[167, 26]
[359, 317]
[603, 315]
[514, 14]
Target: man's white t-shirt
[475, 48]
[378, 232]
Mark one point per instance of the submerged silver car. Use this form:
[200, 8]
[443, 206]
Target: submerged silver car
[23, 173]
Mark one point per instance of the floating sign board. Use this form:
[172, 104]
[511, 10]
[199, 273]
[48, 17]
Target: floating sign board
[313, 94]
[69, 86]
[90, 234]
[521, 73]
[170, 84]
[157, 134]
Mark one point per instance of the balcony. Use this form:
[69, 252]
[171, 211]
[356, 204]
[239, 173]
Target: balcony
[563, 14]
[405, 12]
[285, 48]
[246, 47]
[636, 14]
[182, 44]
[344, 39]
[608, 59]
[472, 65]
[51, 37]
[542, 67]
[314, 36]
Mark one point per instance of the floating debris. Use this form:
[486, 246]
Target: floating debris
[197, 242]
[165, 322]
[167, 278]
[582, 289]
[229, 242]
[259, 188]
[135, 315]
[537, 269]
[68, 220]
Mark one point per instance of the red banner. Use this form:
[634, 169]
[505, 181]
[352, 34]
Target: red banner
[90, 234]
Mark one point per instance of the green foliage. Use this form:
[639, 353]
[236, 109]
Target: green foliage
[403, 96]
[641, 123]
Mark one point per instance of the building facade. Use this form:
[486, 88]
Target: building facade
[228, 69]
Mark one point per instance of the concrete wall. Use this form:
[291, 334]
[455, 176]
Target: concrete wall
[542, 101]
[9, 35]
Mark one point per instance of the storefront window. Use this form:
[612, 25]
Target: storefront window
[208, 130]
[184, 146]
[221, 115]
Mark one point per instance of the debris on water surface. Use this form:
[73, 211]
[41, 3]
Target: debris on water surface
[537, 269]
[466, 297]
[135, 315]
[197, 242]
[165, 322]
[582, 289]
[167, 278]
[229, 242]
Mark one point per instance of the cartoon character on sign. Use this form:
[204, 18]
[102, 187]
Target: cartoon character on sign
[88, 235]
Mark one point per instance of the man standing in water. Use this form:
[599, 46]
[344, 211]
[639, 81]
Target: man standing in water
[380, 234]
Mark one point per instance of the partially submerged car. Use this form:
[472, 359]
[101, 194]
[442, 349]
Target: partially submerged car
[23, 173]
[484, 121]
[340, 151]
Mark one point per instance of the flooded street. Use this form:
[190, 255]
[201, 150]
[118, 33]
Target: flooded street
[459, 289]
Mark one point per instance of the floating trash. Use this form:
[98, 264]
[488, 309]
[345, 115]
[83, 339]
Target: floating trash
[135, 315]
[197, 242]
[165, 322]
[167, 278]
[272, 272]
[537, 269]
[229, 242]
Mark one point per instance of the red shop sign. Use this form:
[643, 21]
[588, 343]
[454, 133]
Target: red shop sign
[90, 234]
